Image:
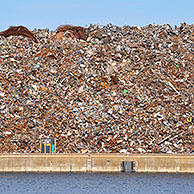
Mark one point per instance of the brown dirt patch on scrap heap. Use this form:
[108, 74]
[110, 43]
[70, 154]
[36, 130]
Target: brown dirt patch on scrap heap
[18, 30]
[77, 31]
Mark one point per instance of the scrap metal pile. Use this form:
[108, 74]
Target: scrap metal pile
[98, 89]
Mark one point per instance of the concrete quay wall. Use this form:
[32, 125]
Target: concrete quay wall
[95, 163]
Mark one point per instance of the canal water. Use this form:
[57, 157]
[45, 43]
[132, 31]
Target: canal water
[105, 183]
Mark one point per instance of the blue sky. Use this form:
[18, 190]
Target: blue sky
[52, 13]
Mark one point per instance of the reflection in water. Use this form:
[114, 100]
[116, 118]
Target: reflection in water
[95, 183]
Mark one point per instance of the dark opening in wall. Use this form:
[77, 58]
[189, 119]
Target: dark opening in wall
[128, 166]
